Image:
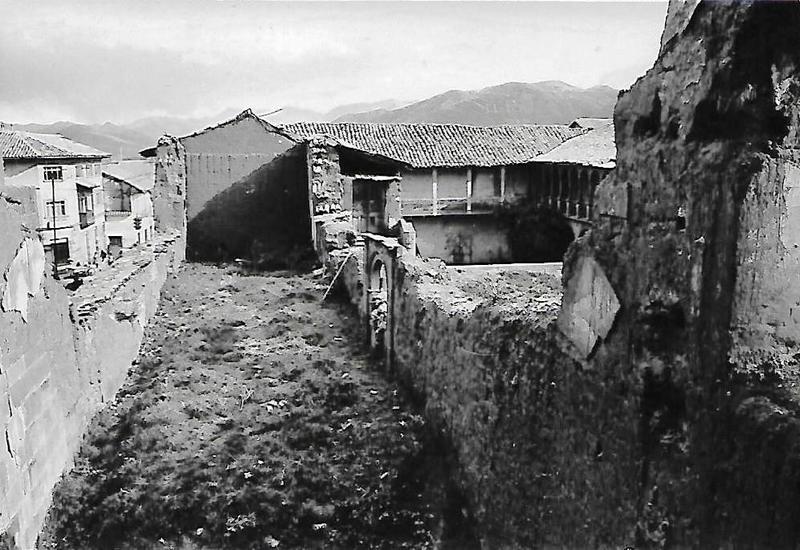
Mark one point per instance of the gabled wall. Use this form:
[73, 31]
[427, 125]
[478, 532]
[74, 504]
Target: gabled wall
[218, 158]
[263, 217]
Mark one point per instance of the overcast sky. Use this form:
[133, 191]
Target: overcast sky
[119, 61]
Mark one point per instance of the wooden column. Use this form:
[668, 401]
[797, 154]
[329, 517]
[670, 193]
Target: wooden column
[560, 172]
[435, 189]
[503, 184]
[572, 175]
[469, 189]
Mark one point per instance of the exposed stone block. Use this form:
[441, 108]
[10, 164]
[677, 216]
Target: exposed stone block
[589, 306]
[24, 277]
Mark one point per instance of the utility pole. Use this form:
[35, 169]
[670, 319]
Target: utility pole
[51, 175]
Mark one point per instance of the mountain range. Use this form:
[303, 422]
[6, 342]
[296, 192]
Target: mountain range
[550, 102]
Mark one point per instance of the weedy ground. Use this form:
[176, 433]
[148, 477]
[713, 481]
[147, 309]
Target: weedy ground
[253, 419]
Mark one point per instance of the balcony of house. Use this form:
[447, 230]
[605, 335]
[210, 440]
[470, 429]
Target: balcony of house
[453, 206]
[460, 192]
[568, 189]
[117, 215]
[88, 175]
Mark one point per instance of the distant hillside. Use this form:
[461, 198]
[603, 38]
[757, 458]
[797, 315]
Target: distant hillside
[124, 141]
[297, 114]
[551, 102]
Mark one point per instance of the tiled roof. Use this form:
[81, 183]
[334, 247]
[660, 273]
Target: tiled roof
[594, 148]
[431, 145]
[589, 123]
[15, 144]
[140, 174]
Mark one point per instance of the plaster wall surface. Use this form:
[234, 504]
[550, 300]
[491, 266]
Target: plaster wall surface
[463, 239]
[417, 184]
[452, 183]
[224, 155]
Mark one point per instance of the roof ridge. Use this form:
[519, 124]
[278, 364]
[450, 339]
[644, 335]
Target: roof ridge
[32, 136]
[420, 124]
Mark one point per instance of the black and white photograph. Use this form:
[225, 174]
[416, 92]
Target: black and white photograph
[399, 274]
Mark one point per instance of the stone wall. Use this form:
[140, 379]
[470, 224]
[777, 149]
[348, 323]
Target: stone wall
[62, 356]
[697, 240]
[541, 446]
[169, 191]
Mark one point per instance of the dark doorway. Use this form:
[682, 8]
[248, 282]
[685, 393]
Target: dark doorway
[369, 206]
[60, 251]
[115, 246]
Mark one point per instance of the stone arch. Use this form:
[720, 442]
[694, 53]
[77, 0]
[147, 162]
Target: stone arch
[378, 304]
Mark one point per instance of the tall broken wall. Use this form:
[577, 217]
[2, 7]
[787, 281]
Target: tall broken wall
[697, 238]
[62, 357]
[169, 191]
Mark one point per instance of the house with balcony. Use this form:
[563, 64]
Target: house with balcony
[128, 187]
[454, 177]
[67, 181]
[449, 180]
[567, 175]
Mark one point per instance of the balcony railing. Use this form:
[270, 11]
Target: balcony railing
[450, 206]
[116, 215]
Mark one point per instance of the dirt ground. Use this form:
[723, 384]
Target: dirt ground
[253, 419]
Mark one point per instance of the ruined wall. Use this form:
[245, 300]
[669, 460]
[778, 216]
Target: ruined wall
[541, 446]
[58, 364]
[264, 217]
[697, 239]
[169, 190]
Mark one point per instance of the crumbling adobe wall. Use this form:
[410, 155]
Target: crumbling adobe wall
[697, 238]
[541, 446]
[263, 217]
[169, 191]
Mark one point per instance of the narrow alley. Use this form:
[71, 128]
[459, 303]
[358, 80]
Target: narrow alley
[252, 419]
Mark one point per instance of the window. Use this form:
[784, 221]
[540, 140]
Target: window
[86, 170]
[53, 173]
[61, 208]
[85, 202]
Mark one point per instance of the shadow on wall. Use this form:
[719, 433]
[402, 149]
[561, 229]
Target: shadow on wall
[537, 234]
[262, 218]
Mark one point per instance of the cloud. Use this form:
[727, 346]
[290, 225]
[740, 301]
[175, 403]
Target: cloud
[95, 61]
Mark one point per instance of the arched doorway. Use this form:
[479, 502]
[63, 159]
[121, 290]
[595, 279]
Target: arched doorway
[378, 305]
